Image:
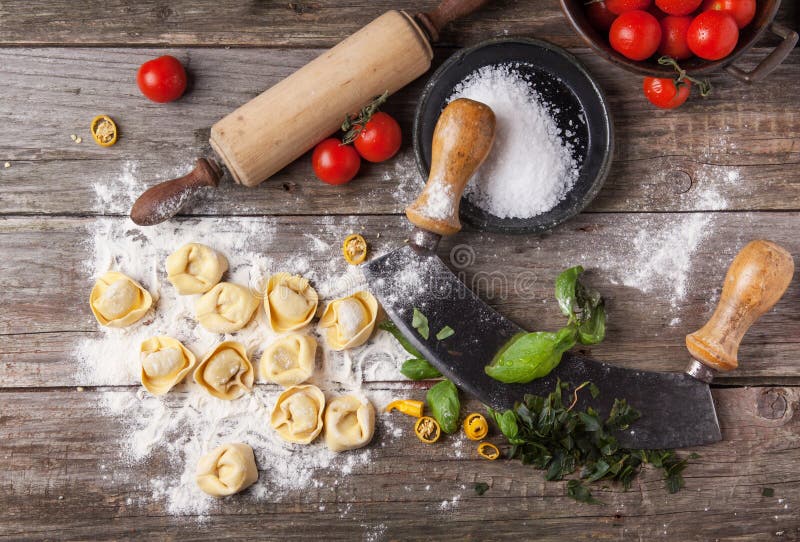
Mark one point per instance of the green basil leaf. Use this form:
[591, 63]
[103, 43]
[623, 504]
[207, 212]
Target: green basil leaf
[592, 329]
[566, 284]
[419, 369]
[420, 322]
[388, 325]
[507, 422]
[481, 488]
[445, 406]
[444, 333]
[531, 355]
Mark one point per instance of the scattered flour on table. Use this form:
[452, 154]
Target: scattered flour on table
[654, 252]
[531, 166]
[187, 422]
[115, 195]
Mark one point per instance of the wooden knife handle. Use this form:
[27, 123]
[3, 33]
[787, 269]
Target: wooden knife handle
[163, 201]
[756, 280]
[446, 12]
[462, 139]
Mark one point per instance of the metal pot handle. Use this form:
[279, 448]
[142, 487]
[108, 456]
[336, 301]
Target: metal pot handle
[772, 60]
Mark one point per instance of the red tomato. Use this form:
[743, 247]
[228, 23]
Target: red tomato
[380, 138]
[673, 37]
[635, 34]
[665, 93]
[335, 163]
[621, 6]
[742, 11]
[162, 79]
[600, 17]
[678, 7]
[712, 35]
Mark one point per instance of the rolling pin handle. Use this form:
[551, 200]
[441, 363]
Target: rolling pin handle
[446, 12]
[163, 201]
[756, 280]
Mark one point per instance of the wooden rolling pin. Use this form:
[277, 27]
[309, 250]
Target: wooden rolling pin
[281, 124]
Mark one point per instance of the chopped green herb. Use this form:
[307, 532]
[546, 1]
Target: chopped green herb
[549, 435]
[444, 333]
[388, 325]
[578, 491]
[419, 369]
[767, 492]
[481, 488]
[420, 322]
[444, 405]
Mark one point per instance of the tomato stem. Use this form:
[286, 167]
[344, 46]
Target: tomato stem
[703, 84]
[353, 125]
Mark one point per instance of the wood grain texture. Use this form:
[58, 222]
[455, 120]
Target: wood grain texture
[735, 150]
[73, 485]
[38, 331]
[317, 23]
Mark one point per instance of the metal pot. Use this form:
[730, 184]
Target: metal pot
[748, 36]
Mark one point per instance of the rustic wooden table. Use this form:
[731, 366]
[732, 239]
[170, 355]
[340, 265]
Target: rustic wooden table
[62, 62]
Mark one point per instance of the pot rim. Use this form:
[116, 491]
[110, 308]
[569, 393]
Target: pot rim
[652, 69]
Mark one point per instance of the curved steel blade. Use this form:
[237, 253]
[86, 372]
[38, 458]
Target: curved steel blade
[677, 410]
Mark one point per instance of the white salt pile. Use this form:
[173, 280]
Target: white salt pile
[531, 166]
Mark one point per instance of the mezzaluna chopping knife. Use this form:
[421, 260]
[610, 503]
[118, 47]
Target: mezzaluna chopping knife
[276, 127]
[677, 409]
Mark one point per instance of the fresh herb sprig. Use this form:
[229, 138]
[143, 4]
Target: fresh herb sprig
[560, 440]
[529, 356]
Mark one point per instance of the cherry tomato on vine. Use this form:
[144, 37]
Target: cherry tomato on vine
[712, 35]
[334, 163]
[635, 34]
[742, 11]
[621, 6]
[379, 139]
[162, 79]
[673, 37]
[678, 7]
[600, 17]
[666, 93]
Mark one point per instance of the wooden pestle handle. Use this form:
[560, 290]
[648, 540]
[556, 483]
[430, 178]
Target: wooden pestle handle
[446, 12]
[756, 280]
[163, 201]
[462, 139]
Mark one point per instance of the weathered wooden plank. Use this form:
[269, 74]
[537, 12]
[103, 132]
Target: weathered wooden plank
[297, 24]
[63, 478]
[735, 150]
[45, 290]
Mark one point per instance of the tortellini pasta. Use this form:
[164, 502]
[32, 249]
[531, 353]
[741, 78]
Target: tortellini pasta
[118, 301]
[226, 372]
[349, 321]
[290, 302]
[195, 268]
[349, 423]
[226, 308]
[289, 360]
[165, 362]
[297, 416]
[227, 469]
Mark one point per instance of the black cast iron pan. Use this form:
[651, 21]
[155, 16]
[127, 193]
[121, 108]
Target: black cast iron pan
[561, 81]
